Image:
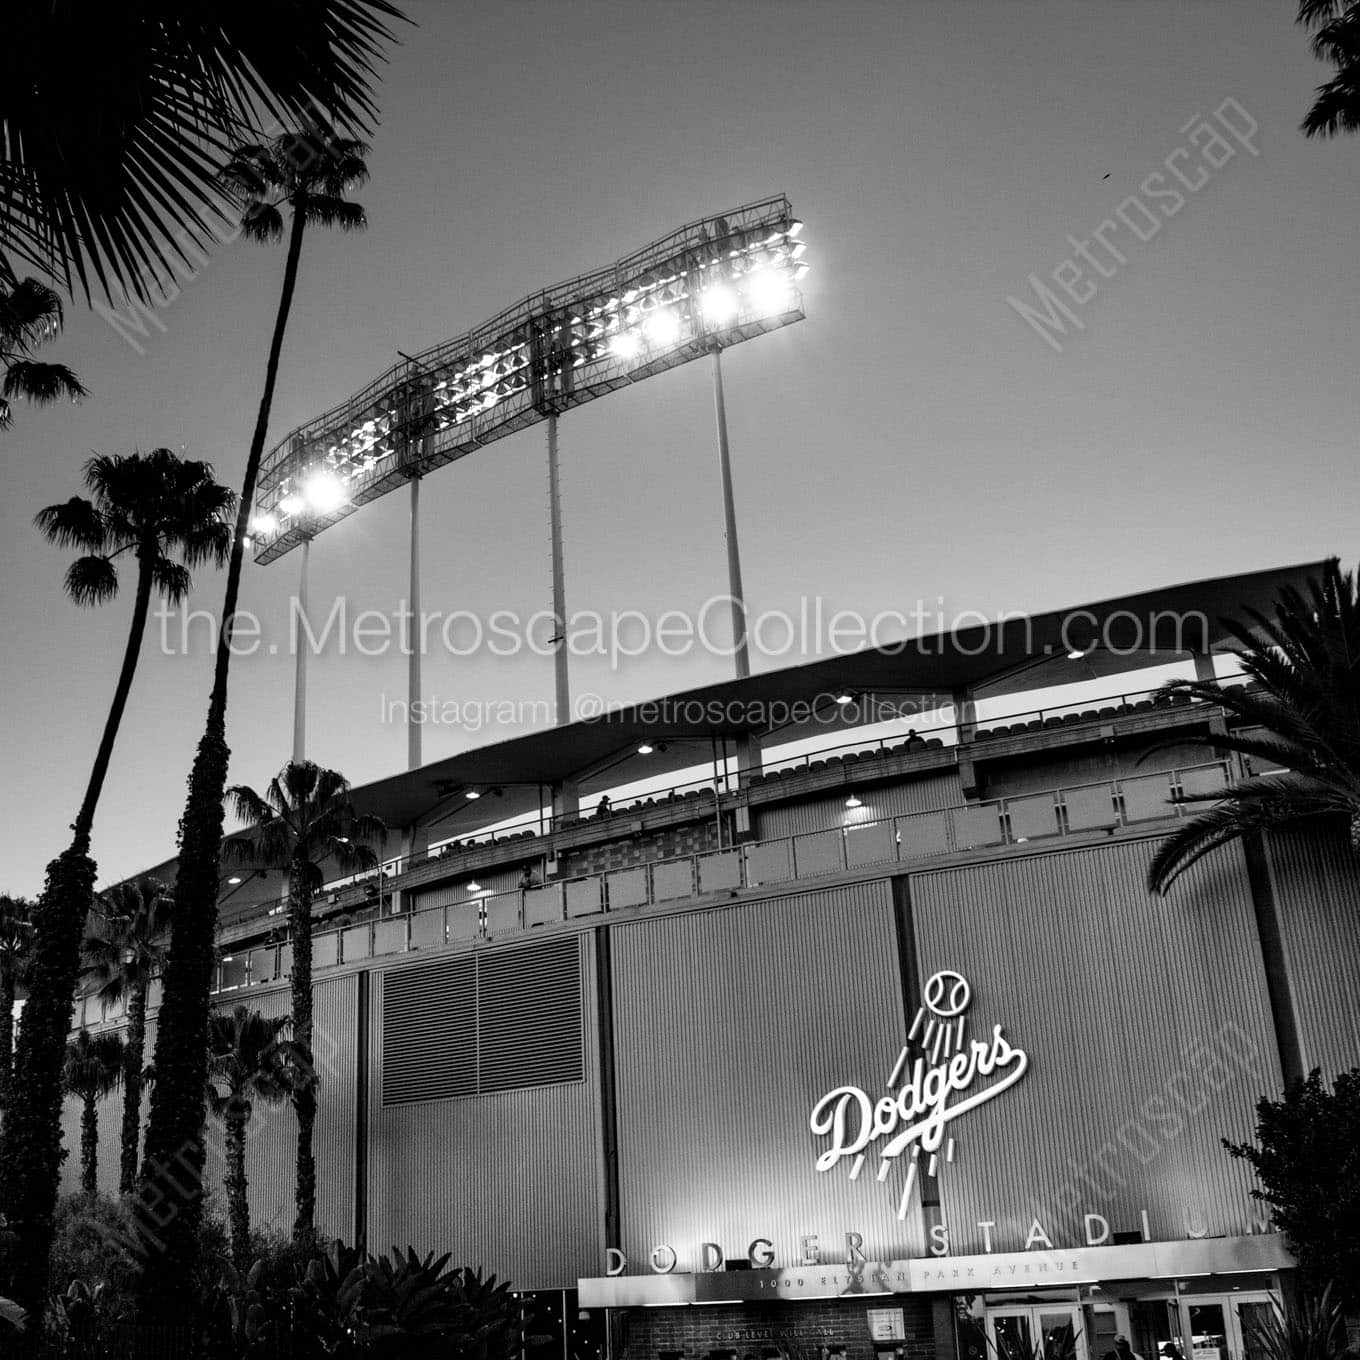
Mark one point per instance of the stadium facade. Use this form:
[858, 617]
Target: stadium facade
[882, 1050]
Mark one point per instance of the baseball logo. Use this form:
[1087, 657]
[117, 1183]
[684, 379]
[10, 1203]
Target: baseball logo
[947, 993]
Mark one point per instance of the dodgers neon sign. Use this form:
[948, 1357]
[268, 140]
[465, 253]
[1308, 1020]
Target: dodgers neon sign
[913, 1116]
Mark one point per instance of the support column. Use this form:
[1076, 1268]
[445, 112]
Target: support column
[562, 686]
[965, 718]
[300, 640]
[740, 652]
[413, 713]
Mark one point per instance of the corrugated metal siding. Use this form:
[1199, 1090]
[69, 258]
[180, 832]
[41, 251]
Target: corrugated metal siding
[892, 800]
[271, 1141]
[1317, 892]
[729, 1026]
[271, 1144]
[456, 894]
[509, 1181]
[1148, 1028]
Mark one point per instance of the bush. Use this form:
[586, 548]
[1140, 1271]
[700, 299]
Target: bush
[93, 1245]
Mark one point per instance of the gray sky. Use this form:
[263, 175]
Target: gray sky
[913, 439]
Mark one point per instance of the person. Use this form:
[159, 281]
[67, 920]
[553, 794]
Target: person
[1122, 1350]
[603, 809]
[527, 879]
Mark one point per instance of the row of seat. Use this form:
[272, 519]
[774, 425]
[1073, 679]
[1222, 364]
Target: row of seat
[1090, 715]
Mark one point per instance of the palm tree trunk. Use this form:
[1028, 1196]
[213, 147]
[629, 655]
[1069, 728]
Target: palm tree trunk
[131, 653]
[304, 1093]
[89, 1145]
[172, 1177]
[6, 1033]
[134, 1056]
[30, 1150]
[238, 1204]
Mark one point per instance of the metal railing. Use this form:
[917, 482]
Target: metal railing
[947, 734]
[1050, 814]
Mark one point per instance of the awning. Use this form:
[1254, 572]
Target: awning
[947, 1274]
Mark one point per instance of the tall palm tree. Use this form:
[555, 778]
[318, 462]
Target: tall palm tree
[166, 515]
[1299, 713]
[307, 173]
[16, 940]
[115, 117]
[30, 313]
[304, 819]
[93, 1068]
[126, 950]
[249, 1060]
[1335, 26]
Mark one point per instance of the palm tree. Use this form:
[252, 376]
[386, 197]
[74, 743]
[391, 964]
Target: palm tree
[248, 1060]
[1335, 26]
[93, 1068]
[304, 819]
[123, 955]
[166, 514]
[309, 173]
[1299, 713]
[16, 939]
[30, 313]
[114, 119]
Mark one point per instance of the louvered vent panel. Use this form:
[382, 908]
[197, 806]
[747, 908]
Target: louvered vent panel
[496, 1022]
[429, 1029]
[529, 1011]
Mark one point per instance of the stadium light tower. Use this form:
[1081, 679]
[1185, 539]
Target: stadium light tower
[701, 289]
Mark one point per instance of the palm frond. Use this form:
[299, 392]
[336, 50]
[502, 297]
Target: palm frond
[170, 579]
[91, 580]
[117, 119]
[336, 212]
[42, 383]
[75, 523]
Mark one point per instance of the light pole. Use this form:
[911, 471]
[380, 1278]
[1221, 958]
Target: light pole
[736, 597]
[559, 587]
[300, 660]
[413, 725]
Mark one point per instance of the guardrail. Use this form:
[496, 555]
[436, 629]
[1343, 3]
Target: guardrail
[1053, 814]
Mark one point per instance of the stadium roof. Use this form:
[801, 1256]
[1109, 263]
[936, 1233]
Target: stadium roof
[1026, 653]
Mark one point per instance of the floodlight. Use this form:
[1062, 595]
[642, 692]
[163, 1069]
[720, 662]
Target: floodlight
[662, 327]
[719, 304]
[769, 291]
[558, 348]
[264, 524]
[324, 492]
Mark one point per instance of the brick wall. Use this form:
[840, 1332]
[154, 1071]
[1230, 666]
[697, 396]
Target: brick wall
[798, 1330]
[690, 838]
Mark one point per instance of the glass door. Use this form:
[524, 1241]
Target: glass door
[1222, 1326]
[1037, 1332]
